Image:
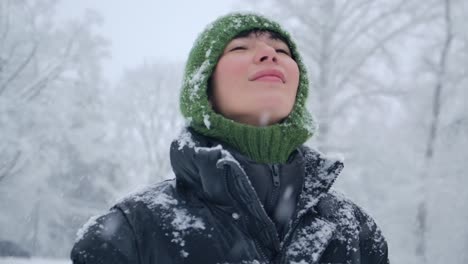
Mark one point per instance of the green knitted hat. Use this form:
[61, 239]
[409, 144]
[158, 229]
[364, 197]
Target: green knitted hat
[270, 144]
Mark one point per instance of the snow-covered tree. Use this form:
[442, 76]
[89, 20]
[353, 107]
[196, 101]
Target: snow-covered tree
[143, 118]
[49, 123]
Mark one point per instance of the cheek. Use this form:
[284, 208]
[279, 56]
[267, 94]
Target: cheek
[227, 84]
[294, 69]
[293, 72]
[231, 71]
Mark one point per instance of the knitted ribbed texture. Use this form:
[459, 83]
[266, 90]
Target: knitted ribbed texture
[270, 144]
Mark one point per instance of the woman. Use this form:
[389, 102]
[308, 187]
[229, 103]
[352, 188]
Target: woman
[246, 189]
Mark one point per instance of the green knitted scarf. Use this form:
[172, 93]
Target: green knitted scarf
[270, 144]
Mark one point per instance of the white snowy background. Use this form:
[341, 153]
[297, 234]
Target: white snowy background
[89, 106]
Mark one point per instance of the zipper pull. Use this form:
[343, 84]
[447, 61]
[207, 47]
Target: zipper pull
[275, 173]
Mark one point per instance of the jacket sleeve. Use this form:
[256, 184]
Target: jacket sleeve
[106, 239]
[374, 248]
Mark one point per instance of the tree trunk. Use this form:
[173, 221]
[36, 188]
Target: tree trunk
[324, 78]
[422, 208]
[36, 219]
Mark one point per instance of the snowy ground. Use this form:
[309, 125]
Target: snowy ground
[33, 261]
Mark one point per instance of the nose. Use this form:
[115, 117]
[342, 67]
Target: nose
[265, 53]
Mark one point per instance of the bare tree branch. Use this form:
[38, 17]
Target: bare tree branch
[377, 46]
[301, 13]
[352, 17]
[339, 109]
[350, 10]
[20, 68]
[35, 89]
[355, 32]
[6, 17]
[54, 71]
[6, 169]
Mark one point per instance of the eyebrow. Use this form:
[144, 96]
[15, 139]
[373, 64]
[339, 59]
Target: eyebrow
[258, 32]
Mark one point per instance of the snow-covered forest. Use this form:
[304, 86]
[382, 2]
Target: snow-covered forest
[389, 88]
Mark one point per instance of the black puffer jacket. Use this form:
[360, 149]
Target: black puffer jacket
[210, 213]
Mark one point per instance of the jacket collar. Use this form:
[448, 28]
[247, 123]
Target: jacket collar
[199, 164]
[320, 173]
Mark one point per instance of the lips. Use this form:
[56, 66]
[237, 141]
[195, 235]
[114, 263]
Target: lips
[268, 75]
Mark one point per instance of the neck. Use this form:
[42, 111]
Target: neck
[268, 144]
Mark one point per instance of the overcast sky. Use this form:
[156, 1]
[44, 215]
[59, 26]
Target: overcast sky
[148, 29]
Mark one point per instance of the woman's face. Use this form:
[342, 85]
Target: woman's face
[255, 81]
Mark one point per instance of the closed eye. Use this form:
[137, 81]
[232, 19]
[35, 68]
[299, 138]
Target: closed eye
[238, 48]
[283, 51]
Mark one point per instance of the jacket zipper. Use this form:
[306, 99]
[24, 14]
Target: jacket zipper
[260, 249]
[287, 240]
[276, 178]
[245, 220]
[288, 236]
[276, 185]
